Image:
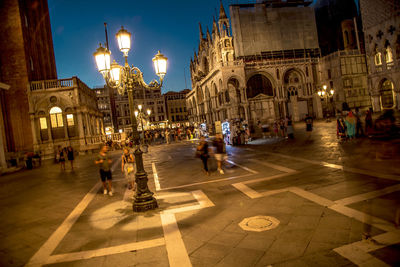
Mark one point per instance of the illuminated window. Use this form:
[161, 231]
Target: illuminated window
[388, 55]
[378, 59]
[56, 118]
[70, 120]
[43, 123]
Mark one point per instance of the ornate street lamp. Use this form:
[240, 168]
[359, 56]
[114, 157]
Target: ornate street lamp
[326, 94]
[125, 79]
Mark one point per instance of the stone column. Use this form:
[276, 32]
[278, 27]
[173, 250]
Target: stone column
[49, 129]
[246, 113]
[295, 108]
[318, 107]
[34, 130]
[64, 116]
[3, 163]
[376, 103]
[81, 131]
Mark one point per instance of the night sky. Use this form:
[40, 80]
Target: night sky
[169, 26]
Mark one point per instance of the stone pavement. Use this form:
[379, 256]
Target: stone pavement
[302, 202]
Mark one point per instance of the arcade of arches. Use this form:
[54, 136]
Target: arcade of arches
[263, 98]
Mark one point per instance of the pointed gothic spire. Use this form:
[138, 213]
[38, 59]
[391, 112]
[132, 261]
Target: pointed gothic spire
[200, 32]
[222, 14]
[195, 57]
[208, 35]
[214, 27]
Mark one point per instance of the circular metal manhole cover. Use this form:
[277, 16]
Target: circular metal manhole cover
[259, 223]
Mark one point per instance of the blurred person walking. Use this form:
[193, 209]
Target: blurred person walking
[341, 128]
[128, 168]
[70, 156]
[350, 125]
[104, 162]
[203, 153]
[289, 129]
[61, 157]
[220, 152]
[368, 122]
[309, 124]
[359, 128]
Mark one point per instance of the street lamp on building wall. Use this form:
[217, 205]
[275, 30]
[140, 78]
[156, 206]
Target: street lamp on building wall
[326, 94]
[125, 79]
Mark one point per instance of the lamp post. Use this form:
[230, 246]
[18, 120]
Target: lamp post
[325, 94]
[139, 114]
[125, 79]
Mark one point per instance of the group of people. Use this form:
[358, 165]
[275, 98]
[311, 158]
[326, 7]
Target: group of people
[350, 126]
[63, 154]
[103, 161]
[204, 152]
[279, 128]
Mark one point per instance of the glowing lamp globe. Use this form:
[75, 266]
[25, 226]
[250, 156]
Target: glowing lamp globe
[160, 64]
[124, 40]
[103, 58]
[115, 72]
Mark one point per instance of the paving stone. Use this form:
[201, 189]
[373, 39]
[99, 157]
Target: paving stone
[241, 257]
[256, 242]
[224, 238]
[210, 250]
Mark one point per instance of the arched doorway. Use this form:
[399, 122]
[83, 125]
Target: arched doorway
[259, 84]
[386, 94]
[296, 106]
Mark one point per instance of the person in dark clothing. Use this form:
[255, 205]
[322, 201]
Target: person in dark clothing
[204, 153]
[61, 157]
[368, 122]
[70, 156]
[309, 125]
[104, 163]
[220, 151]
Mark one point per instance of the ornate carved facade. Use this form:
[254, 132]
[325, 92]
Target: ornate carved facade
[256, 87]
[381, 25]
[64, 113]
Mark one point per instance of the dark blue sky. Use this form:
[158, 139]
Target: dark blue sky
[169, 26]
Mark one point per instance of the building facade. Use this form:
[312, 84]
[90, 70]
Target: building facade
[346, 73]
[381, 26]
[116, 107]
[106, 105]
[26, 55]
[175, 105]
[64, 113]
[266, 69]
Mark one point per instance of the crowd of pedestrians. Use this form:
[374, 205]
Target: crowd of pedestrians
[279, 128]
[63, 154]
[356, 124]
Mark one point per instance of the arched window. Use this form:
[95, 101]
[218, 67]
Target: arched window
[227, 98]
[205, 65]
[386, 92]
[388, 54]
[227, 43]
[259, 84]
[56, 118]
[378, 58]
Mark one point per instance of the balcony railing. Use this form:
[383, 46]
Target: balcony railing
[52, 84]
